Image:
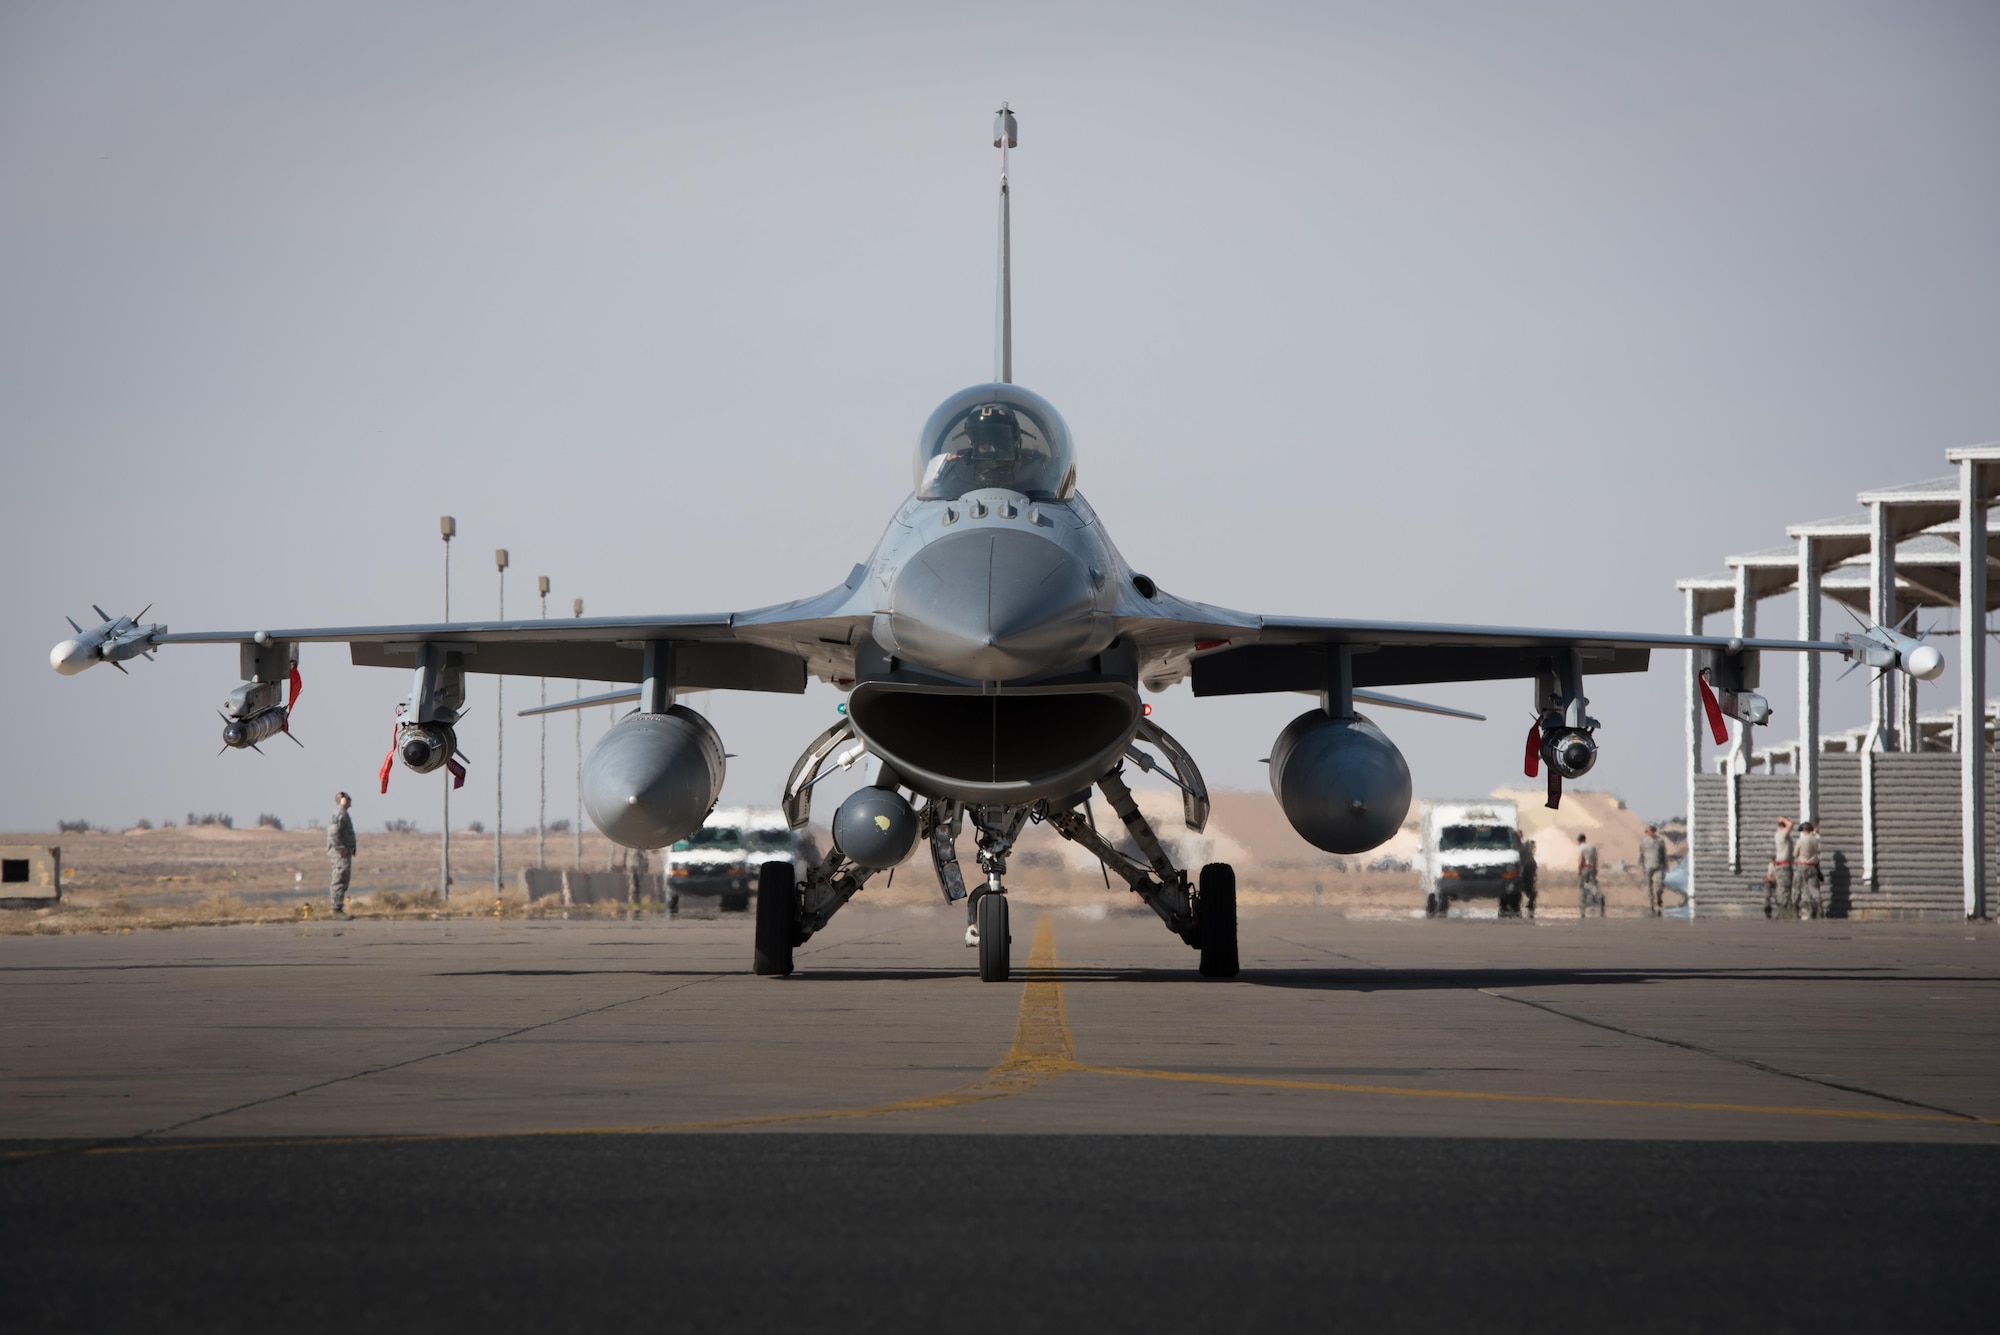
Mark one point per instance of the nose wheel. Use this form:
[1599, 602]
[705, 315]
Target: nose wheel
[995, 965]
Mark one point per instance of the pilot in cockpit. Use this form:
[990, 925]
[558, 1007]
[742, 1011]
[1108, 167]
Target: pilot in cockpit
[993, 451]
[994, 437]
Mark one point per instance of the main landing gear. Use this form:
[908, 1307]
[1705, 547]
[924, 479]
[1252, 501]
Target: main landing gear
[1201, 910]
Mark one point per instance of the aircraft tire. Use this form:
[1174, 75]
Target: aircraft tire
[1215, 910]
[994, 961]
[777, 907]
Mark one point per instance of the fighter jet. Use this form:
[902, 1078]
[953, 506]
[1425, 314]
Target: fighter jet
[992, 648]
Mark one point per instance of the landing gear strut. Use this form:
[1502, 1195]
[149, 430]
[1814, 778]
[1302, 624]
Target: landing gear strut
[1202, 914]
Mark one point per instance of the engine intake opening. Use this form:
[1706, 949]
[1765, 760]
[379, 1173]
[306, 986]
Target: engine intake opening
[1007, 746]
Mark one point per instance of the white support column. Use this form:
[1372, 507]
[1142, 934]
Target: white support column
[1972, 683]
[1868, 754]
[1882, 611]
[1695, 724]
[1746, 628]
[1807, 763]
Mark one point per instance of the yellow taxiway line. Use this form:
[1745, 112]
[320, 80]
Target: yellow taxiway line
[1044, 1050]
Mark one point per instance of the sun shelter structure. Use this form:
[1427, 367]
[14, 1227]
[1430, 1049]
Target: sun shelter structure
[1905, 820]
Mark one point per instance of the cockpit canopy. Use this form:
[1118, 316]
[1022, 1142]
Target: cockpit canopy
[996, 435]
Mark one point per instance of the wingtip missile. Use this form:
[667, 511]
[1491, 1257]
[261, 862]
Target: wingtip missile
[111, 641]
[1883, 648]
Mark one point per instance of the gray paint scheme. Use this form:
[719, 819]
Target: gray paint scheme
[995, 641]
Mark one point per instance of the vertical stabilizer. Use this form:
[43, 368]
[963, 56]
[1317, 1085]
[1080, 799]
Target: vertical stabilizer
[1006, 135]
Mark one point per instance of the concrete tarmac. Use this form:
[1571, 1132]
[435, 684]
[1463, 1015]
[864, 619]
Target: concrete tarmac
[1552, 1125]
[1620, 1028]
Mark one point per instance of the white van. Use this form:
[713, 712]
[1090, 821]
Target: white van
[1471, 850]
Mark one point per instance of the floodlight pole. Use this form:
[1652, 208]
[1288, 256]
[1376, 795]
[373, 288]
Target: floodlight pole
[611, 846]
[499, 740]
[577, 829]
[542, 804]
[448, 528]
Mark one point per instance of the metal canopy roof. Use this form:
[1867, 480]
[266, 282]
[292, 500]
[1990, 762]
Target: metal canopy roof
[1926, 573]
[1922, 521]
[1712, 593]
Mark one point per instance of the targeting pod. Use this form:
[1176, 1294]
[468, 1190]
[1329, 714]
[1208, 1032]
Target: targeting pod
[424, 747]
[1570, 752]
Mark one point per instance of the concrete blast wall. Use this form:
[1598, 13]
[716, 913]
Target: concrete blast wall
[1913, 826]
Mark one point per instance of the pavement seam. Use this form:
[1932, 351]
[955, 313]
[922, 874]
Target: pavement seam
[413, 1061]
[1043, 1049]
[1337, 954]
[1322, 1086]
[1750, 1062]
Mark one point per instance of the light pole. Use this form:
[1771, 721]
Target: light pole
[499, 739]
[542, 805]
[448, 527]
[610, 846]
[577, 829]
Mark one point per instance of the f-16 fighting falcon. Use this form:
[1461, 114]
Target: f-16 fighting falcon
[992, 648]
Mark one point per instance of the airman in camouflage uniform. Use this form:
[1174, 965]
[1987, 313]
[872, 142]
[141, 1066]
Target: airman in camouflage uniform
[340, 853]
[1588, 893]
[1807, 884]
[1653, 864]
[1778, 893]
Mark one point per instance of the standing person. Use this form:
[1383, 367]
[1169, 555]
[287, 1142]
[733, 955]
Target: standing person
[1806, 881]
[340, 853]
[1529, 868]
[1653, 865]
[636, 867]
[1778, 899]
[1588, 896]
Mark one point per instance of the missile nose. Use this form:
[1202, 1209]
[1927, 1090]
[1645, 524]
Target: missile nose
[70, 657]
[1924, 662]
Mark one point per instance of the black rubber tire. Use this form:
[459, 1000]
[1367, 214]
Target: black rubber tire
[1437, 906]
[995, 957]
[737, 901]
[777, 909]
[1510, 905]
[1215, 910]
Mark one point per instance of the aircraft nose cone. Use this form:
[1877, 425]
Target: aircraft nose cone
[69, 657]
[994, 605]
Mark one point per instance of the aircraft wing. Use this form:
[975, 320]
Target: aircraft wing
[765, 649]
[1232, 653]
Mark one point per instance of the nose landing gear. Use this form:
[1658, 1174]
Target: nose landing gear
[995, 963]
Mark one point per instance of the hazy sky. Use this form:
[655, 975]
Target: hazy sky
[1463, 312]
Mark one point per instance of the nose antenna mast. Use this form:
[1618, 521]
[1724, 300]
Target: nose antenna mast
[1006, 135]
